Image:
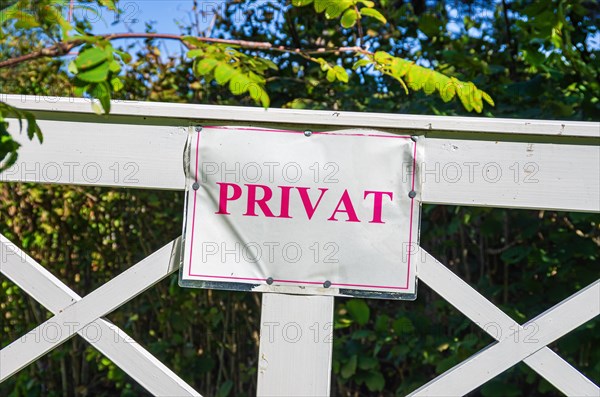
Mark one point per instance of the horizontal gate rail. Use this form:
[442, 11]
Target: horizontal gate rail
[181, 114]
[136, 153]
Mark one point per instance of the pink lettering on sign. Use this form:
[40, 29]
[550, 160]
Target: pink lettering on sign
[377, 204]
[224, 198]
[308, 207]
[258, 197]
[262, 202]
[348, 209]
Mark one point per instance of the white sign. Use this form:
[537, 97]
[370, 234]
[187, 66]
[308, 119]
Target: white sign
[329, 213]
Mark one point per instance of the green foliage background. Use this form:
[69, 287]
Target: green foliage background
[539, 65]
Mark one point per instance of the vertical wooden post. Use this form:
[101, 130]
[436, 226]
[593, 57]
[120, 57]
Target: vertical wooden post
[296, 340]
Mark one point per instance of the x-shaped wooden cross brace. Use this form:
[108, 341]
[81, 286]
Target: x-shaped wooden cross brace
[510, 348]
[73, 314]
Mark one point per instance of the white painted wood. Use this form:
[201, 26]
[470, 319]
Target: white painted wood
[79, 314]
[511, 174]
[314, 117]
[296, 340]
[561, 374]
[498, 357]
[462, 172]
[102, 154]
[500, 326]
[148, 155]
[109, 339]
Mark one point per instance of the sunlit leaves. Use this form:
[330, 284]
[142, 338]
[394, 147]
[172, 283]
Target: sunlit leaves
[46, 14]
[333, 72]
[96, 71]
[418, 78]
[351, 11]
[370, 12]
[349, 18]
[90, 57]
[243, 74]
[96, 74]
[300, 3]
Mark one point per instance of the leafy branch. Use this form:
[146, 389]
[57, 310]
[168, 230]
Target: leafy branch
[97, 69]
[97, 66]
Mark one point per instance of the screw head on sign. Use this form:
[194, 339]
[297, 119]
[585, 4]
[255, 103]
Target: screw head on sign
[198, 128]
[414, 138]
[412, 194]
[270, 280]
[327, 284]
[196, 186]
[307, 133]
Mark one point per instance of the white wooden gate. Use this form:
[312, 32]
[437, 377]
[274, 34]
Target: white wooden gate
[552, 165]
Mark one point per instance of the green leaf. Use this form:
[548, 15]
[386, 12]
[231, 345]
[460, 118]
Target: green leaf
[448, 91]
[375, 381]
[114, 67]
[324, 64]
[33, 129]
[90, 58]
[225, 389]
[195, 53]
[101, 92]
[331, 75]
[321, 5]
[125, 57]
[430, 24]
[301, 3]
[487, 98]
[367, 3]
[240, 83]
[205, 66]
[429, 81]
[359, 310]
[10, 158]
[382, 57]
[349, 18]
[51, 13]
[117, 84]
[110, 4]
[259, 95]
[26, 21]
[72, 68]
[223, 73]
[403, 325]
[340, 73]
[366, 363]
[270, 64]
[335, 8]
[361, 63]
[349, 368]
[95, 75]
[370, 12]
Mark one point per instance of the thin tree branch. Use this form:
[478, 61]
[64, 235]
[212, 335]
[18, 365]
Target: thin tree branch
[509, 40]
[63, 48]
[359, 26]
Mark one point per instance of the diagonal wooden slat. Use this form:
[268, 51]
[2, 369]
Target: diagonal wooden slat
[106, 337]
[500, 326]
